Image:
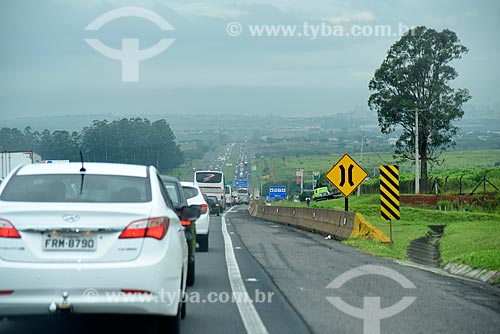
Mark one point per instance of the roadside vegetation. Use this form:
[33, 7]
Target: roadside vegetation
[470, 237]
[472, 165]
[128, 140]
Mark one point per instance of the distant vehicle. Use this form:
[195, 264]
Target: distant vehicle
[111, 228]
[228, 195]
[235, 199]
[322, 194]
[195, 198]
[212, 183]
[176, 192]
[214, 204]
[11, 160]
[243, 195]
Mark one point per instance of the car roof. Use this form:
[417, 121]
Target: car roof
[169, 178]
[90, 168]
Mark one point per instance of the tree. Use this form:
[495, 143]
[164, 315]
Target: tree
[133, 141]
[415, 75]
[13, 140]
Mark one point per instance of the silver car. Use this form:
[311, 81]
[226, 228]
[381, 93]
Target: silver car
[102, 238]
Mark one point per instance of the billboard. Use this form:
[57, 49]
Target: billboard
[277, 192]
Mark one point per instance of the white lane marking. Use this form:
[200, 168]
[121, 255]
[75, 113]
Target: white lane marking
[251, 319]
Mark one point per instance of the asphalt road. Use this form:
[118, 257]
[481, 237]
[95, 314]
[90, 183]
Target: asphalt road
[212, 277]
[303, 264]
[286, 272]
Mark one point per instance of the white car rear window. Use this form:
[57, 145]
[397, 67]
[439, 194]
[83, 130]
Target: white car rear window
[77, 188]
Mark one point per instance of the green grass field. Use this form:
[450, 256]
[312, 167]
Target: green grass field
[286, 166]
[472, 165]
[471, 238]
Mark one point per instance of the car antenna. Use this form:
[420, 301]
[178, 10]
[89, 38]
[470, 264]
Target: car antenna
[82, 170]
[81, 159]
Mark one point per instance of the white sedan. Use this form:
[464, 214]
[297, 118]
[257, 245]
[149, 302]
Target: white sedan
[195, 197]
[97, 238]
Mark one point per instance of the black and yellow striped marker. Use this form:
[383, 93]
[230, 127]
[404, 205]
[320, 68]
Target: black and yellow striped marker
[389, 192]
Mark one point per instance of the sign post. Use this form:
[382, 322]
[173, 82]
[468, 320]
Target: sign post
[389, 194]
[346, 175]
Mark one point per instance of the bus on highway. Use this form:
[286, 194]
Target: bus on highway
[211, 183]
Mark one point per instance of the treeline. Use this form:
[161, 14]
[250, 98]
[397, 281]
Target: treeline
[133, 141]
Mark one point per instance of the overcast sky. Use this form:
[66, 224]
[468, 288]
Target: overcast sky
[47, 68]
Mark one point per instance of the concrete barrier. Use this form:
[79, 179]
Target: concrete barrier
[339, 224]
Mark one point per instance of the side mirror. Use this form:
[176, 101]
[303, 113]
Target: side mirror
[190, 213]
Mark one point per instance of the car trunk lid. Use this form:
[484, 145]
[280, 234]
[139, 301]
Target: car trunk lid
[81, 232]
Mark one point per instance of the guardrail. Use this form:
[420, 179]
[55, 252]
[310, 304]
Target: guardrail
[339, 224]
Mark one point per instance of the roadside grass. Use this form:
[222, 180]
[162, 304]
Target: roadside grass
[286, 166]
[474, 243]
[471, 238]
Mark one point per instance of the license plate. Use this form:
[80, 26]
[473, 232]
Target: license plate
[69, 242]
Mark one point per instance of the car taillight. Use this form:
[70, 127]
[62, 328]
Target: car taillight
[185, 222]
[203, 208]
[147, 228]
[6, 292]
[7, 230]
[136, 292]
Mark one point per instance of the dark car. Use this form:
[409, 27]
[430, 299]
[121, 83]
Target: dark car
[214, 204]
[174, 189]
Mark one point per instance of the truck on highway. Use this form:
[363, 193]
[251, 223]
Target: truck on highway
[10, 160]
[322, 194]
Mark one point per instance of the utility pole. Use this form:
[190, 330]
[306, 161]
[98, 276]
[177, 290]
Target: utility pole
[417, 160]
[361, 157]
[417, 171]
